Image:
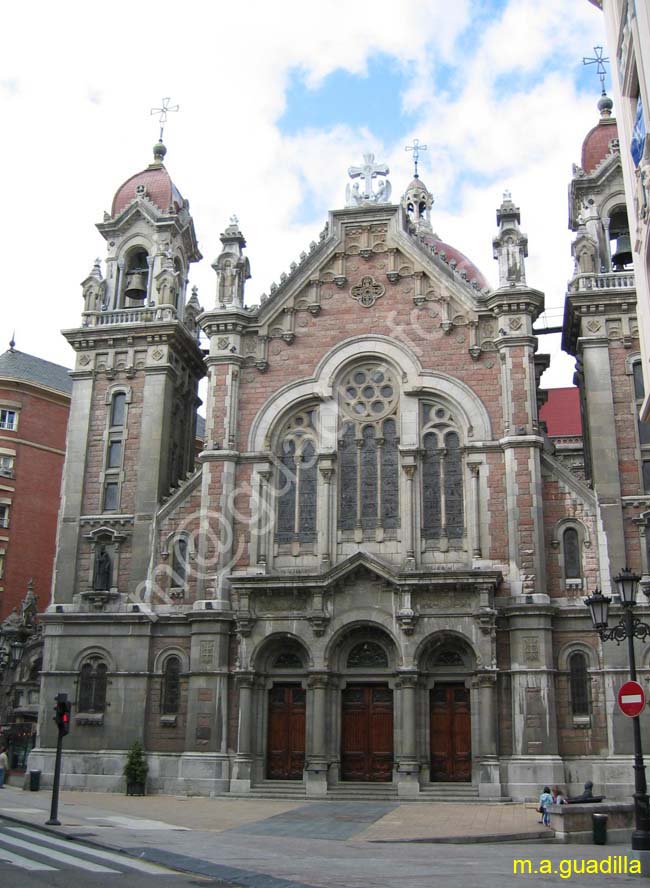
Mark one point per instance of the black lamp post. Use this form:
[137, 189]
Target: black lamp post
[629, 627]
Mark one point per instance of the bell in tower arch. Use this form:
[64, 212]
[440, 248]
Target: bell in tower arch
[622, 256]
[137, 277]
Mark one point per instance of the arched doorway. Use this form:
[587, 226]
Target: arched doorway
[366, 659]
[449, 662]
[284, 663]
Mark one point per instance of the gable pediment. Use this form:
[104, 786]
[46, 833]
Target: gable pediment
[371, 256]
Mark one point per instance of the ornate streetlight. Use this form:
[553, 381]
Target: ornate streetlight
[629, 627]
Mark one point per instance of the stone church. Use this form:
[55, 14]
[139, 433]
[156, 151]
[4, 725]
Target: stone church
[371, 579]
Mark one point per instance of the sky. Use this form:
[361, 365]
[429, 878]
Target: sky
[276, 100]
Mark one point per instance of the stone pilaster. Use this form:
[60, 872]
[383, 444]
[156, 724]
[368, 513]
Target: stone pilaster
[317, 764]
[408, 766]
[241, 779]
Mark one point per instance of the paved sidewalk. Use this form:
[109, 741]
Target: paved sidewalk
[360, 822]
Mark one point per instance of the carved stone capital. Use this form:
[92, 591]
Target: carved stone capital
[318, 680]
[407, 680]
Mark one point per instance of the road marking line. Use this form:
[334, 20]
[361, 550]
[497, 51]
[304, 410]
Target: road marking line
[25, 863]
[57, 855]
[140, 823]
[23, 810]
[132, 862]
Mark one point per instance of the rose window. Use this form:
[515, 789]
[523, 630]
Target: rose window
[369, 393]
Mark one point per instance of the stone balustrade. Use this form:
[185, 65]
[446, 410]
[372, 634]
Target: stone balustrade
[129, 316]
[614, 280]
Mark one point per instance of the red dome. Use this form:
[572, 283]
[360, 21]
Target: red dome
[157, 186]
[462, 262]
[595, 147]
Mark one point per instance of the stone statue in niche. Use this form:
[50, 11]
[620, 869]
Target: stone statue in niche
[103, 573]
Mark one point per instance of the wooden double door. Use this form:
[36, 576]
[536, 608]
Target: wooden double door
[286, 732]
[451, 733]
[367, 733]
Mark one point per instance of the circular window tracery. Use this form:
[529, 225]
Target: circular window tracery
[369, 392]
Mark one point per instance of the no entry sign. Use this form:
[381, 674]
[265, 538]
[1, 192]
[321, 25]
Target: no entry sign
[631, 698]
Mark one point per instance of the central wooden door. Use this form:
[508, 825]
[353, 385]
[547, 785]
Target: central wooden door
[286, 737]
[367, 733]
[451, 737]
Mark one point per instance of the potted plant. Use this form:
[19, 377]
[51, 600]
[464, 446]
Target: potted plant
[135, 770]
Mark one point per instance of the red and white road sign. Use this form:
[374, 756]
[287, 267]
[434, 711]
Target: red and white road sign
[631, 698]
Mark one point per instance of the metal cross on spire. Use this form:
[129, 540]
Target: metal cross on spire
[599, 61]
[162, 112]
[415, 148]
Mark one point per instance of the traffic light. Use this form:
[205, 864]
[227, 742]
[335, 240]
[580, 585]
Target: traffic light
[62, 714]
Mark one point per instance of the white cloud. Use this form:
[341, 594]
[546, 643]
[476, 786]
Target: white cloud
[75, 94]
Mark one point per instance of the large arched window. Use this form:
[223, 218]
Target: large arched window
[170, 698]
[93, 679]
[442, 476]
[368, 449]
[297, 480]
[579, 685]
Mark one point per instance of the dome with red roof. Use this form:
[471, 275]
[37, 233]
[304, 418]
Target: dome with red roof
[417, 201]
[596, 145]
[462, 263]
[154, 182]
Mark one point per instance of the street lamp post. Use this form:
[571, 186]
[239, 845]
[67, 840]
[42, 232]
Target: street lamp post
[629, 627]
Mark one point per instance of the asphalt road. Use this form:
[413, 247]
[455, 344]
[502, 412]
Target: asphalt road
[30, 858]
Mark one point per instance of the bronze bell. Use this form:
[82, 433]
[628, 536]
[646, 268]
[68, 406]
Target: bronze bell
[136, 284]
[623, 253]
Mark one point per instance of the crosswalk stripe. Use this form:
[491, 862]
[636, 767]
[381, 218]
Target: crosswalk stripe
[131, 862]
[56, 855]
[25, 862]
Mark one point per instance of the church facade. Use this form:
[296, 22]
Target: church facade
[374, 574]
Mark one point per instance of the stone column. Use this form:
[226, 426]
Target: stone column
[408, 466]
[476, 513]
[408, 766]
[241, 780]
[488, 772]
[326, 468]
[316, 765]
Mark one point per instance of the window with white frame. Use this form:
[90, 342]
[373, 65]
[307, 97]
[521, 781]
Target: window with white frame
[8, 419]
[7, 466]
[179, 565]
[571, 554]
[170, 698]
[579, 685]
[4, 514]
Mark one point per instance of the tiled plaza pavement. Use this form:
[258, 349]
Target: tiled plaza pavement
[337, 821]
[327, 820]
[444, 821]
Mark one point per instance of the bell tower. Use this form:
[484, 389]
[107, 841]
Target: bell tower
[132, 423]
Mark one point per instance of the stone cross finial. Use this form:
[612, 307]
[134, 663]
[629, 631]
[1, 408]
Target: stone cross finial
[369, 171]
